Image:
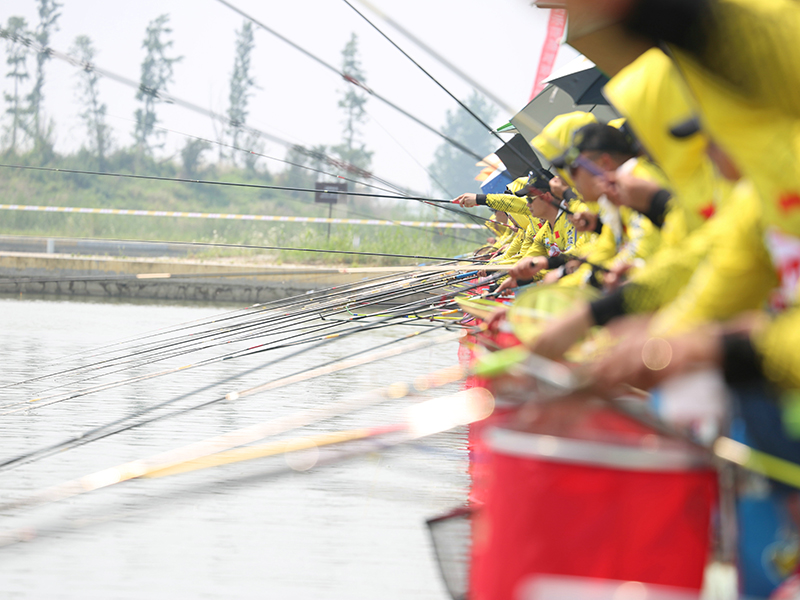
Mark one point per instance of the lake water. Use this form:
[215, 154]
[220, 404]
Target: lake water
[353, 529]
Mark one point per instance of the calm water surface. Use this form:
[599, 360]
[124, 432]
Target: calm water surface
[354, 529]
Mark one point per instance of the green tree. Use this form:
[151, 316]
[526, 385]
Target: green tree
[48, 18]
[352, 150]
[451, 168]
[191, 156]
[17, 61]
[241, 87]
[155, 78]
[94, 113]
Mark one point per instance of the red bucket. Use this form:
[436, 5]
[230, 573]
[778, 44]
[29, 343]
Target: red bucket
[607, 498]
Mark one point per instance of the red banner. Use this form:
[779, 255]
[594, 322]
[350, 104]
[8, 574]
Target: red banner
[555, 31]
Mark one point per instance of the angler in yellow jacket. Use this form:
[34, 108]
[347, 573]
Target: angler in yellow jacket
[626, 235]
[739, 61]
[517, 209]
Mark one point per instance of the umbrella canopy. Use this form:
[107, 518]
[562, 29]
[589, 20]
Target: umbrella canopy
[550, 103]
[582, 80]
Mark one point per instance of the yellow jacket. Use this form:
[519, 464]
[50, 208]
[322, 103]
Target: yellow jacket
[651, 95]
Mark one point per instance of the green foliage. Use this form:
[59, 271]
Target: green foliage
[156, 75]
[453, 169]
[241, 88]
[351, 150]
[17, 61]
[191, 156]
[94, 113]
[62, 189]
[48, 22]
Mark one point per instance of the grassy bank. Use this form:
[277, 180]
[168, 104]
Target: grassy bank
[62, 189]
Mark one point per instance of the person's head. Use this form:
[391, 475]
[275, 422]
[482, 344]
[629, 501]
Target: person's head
[604, 147]
[541, 202]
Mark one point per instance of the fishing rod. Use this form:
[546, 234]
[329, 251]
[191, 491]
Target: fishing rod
[161, 95]
[259, 186]
[407, 310]
[280, 248]
[297, 299]
[241, 436]
[257, 311]
[392, 186]
[338, 163]
[525, 159]
[530, 122]
[432, 201]
[131, 421]
[43, 401]
[350, 79]
[421, 420]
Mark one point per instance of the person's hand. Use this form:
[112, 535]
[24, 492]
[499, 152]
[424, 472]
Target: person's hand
[467, 200]
[553, 276]
[626, 190]
[561, 334]
[615, 276]
[508, 283]
[558, 187]
[644, 361]
[491, 240]
[572, 266]
[496, 318]
[584, 220]
[528, 267]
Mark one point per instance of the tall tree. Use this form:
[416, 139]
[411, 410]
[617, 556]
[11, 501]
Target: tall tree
[155, 78]
[451, 168]
[17, 61]
[241, 86]
[352, 150]
[94, 112]
[48, 23]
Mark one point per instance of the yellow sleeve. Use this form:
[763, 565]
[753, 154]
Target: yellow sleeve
[737, 275]
[669, 271]
[778, 344]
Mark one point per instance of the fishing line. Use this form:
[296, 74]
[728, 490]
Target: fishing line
[87, 66]
[534, 167]
[354, 81]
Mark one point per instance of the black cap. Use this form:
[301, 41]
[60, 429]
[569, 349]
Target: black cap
[539, 180]
[686, 129]
[596, 136]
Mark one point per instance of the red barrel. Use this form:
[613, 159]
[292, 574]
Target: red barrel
[606, 498]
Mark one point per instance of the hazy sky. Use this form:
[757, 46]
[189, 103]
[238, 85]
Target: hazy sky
[497, 42]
